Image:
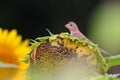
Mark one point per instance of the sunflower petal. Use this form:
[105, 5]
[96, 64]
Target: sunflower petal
[12, 50]
[12, 36]
[3, 36]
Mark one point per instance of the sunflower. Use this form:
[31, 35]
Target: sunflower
[12, 50]
[64, 57]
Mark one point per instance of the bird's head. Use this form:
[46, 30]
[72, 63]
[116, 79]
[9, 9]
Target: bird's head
[72, 26]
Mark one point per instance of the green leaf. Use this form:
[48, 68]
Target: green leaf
[113, 61]
[42, 38]
[65, 35]
[49, 32]
[26, 59]
[53, 37]
[34, 45]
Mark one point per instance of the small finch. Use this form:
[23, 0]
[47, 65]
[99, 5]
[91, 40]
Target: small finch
[75, 32]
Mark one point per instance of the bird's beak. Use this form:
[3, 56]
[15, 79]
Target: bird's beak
[67, 26]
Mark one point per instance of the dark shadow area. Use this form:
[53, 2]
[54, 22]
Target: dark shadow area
[32, 17]
[114, 70]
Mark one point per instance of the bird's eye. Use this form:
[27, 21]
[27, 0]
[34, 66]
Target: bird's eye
[70, 24]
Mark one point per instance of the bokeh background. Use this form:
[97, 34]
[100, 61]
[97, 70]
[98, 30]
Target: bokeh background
[32, 17]
[97, 19]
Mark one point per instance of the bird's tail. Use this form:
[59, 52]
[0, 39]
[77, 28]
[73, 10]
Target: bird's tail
[105, 52]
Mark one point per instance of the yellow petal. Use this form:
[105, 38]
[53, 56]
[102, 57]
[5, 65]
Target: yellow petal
[0, 31]
[17, 41]
[12, 36]
[12, 49]
[3, 36]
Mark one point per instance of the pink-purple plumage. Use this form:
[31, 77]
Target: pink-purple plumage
[75, 32]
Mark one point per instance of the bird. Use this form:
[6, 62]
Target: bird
[75, 32]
